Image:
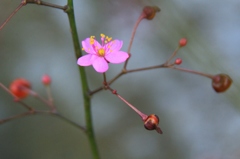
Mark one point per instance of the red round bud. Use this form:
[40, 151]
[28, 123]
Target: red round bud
[150, 11]
[20, 87]
[182, 42]
[221, 82]
[114, 91]
[151, 123]
[46, 79]
[178, 61]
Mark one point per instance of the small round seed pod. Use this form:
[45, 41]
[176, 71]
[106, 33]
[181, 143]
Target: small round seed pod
[221, 82]
[150, 11]
[151, 123]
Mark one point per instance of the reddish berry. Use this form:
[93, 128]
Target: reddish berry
[182, 42]
[221, 82]
[151, 123]
[46, 79]
[20, 87]
[178, 61]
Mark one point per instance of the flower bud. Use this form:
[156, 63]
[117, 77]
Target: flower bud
[151, 123]
[221, 82]
[150, 11]
[46, 79]
[182, 42]
[178, 61]
[20, 87]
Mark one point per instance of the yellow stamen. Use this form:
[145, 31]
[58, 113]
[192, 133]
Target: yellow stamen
[101, 52]
[92, 40]
[108, 38]
[102, 35]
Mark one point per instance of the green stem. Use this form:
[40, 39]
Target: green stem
[85, 88]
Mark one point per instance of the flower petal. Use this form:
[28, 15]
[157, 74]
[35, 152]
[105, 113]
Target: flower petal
[100, 65]
[114, 45]
[88, 47]
[86, 60]
[117, 57]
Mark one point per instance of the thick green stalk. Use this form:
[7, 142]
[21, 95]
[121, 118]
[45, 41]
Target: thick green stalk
[85, 89]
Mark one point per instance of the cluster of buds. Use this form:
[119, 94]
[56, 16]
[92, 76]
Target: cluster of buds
[99, 55]
[220, 82]
[108, 51]
[20, 88]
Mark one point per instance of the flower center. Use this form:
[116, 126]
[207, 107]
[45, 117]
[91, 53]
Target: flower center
[101, 52]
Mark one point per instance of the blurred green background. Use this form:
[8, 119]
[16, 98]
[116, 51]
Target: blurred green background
[197, 122]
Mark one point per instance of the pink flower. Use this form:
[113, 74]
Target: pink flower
[99, 55]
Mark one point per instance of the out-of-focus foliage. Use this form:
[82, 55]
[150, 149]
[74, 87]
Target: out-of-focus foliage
[197, 123]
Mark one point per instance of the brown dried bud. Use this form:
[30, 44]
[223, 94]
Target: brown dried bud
[151, 123]
[221, 82]
[150, 11]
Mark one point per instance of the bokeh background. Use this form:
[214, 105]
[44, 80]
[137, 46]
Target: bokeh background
[197, 122]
